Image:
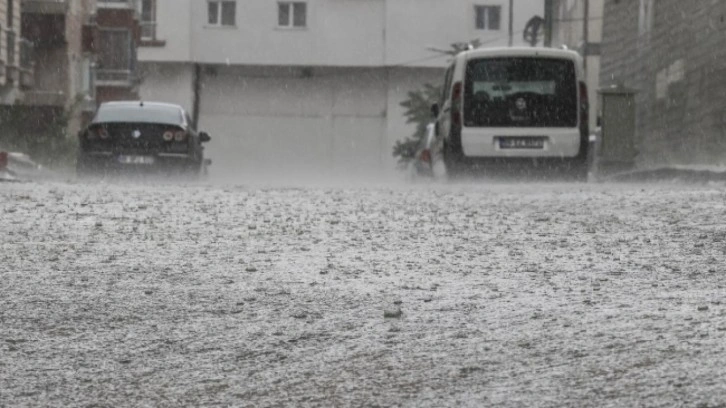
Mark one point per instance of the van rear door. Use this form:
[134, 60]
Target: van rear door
[531, 92]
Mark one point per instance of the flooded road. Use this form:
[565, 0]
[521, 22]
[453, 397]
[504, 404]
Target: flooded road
[543, 295]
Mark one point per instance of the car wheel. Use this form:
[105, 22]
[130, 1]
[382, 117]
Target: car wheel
[85, 167]
[195, 171]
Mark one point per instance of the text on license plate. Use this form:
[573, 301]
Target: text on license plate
[521, 142]
[136, 159]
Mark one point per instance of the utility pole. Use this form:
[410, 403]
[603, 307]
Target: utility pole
[586, 33]
[549, 17]
[511, 23]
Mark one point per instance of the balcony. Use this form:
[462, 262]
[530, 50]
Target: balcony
[117, 4]
[121, 78]
[44, 98]
[45, 6]
[46, 31]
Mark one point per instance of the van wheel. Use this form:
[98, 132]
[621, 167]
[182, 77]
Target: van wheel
[577, 170]
[452, 162]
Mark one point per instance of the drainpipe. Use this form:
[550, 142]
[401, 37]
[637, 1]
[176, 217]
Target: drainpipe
[511, 22]
[196, 90]
[549, 16]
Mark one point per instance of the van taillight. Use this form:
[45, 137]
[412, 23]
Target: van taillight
[426, 156]
[584, 115]
[456, 104]
[584, 100]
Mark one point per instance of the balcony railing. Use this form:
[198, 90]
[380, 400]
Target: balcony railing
[19, 59]
[115, 77]
[122, 4]
[45, 6]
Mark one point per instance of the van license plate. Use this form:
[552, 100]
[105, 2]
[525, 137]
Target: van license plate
[521, 142]
[136, 159]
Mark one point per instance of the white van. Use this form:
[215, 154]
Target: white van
[507, 105]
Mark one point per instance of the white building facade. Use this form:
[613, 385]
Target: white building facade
[310, 86]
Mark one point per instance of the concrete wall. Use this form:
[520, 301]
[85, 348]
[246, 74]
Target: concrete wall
[673, 53]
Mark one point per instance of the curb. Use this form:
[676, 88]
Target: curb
[667, 174]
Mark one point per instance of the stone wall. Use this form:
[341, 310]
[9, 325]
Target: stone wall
[674, 53]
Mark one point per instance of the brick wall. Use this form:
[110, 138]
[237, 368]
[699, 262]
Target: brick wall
[674, 53]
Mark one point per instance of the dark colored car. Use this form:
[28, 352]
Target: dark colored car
[144, 136]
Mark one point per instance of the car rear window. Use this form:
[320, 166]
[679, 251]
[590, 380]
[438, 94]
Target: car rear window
[169, 115]
[520, 92]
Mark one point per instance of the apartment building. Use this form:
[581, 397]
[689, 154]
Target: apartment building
[577, 25]
[62, 58]
[16, 67]
[674, 54]
[309, 85]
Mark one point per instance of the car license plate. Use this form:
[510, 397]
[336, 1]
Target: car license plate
[521, 142]
[136, 159]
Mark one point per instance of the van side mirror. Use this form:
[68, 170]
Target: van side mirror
[435, 110]
[204, 137]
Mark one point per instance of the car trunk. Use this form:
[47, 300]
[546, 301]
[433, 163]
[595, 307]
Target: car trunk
[142, 138]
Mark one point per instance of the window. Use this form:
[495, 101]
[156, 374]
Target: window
[292, 14]
[9, 10]
[222, 12]
[645, 17]
[520, 92]
[116, 55]
[488, 17]
[86, 83]
[148, 19]
[448, 78]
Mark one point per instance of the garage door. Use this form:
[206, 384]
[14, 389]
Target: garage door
[273, 123]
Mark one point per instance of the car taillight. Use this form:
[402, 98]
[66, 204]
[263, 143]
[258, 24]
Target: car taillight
[456, 104]
[425, 156]
[180, 135]
[103, 133]
[168, 136]
[584, 100]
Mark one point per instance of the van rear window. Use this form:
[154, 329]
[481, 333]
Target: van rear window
[520, 92]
